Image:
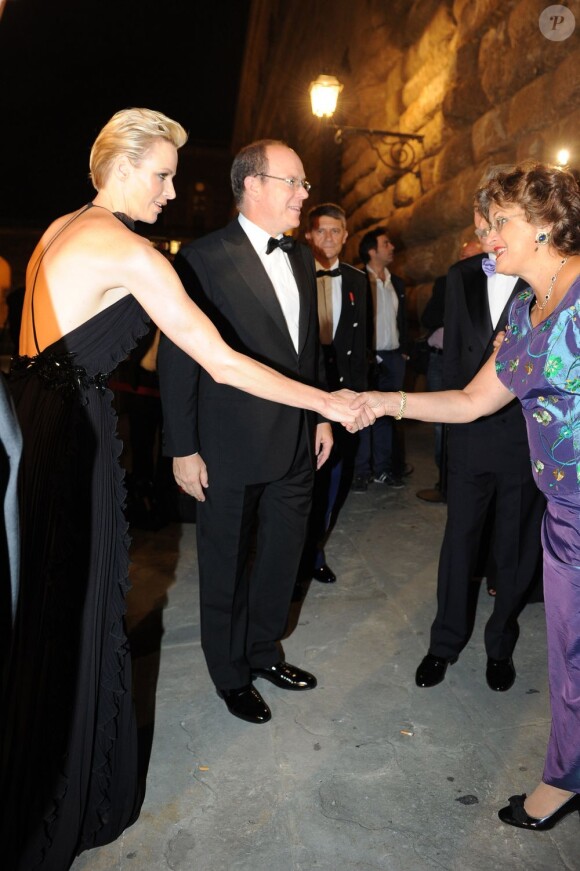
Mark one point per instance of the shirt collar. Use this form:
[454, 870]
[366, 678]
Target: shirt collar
[257, 236]
[334, 265]
[376, 277]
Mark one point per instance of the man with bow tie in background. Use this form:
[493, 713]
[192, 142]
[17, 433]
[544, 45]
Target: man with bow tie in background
[488, 470]
[342, 317]
[249, 462]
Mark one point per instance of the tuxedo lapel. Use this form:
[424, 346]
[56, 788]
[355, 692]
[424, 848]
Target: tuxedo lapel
[475, 289]
[240, 252]
[344, 321]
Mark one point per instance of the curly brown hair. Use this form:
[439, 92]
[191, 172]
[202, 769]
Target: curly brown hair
[548, 196]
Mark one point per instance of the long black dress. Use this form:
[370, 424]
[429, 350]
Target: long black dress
[69, 750]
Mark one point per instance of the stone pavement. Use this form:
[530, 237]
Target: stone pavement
[365, 773]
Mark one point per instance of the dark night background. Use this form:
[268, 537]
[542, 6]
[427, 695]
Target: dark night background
[66, 66]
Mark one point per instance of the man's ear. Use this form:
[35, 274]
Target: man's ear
[308, 236]
[252, 187]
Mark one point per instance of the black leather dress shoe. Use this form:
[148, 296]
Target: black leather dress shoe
[286, 676]
[515, 813]
[432, 670]
[324, 574]
[247, 704]
[500, 674]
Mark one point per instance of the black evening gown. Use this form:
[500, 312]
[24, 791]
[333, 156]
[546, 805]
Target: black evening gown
[68, 755]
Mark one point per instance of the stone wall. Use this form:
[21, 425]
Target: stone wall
[476, 78]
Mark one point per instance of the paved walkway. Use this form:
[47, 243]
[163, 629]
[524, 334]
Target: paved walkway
[365, 773]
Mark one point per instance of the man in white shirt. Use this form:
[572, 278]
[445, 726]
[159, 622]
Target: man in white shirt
[380, 452]
[249, 462]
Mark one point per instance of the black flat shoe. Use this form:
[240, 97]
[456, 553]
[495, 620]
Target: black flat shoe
[500, 674]
[324, 574]
[432, 670]
[247, 704]
[286, 676]
[515, 813]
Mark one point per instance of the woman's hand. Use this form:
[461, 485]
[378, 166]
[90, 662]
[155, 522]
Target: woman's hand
[365, 412]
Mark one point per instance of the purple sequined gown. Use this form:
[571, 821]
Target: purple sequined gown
[541, 366]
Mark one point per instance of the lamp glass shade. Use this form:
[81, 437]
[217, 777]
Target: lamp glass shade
[324, 96]
[563, 157]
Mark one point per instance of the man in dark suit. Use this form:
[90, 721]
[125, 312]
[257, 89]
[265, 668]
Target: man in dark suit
[380, 454]
[342, 315]
[255, 467]
[488, 468]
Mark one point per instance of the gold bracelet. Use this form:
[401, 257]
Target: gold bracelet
[402, 406]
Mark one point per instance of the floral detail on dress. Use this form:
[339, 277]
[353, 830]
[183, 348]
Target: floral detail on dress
[553, 367]
[541, 366]
[544, 417]
[60, 372]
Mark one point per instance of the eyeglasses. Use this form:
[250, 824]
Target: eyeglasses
[294, 183]
[500, 222]
[483, 234]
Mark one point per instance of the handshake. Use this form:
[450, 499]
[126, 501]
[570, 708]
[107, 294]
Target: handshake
[355, 411]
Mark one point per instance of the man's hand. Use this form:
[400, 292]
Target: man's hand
[366, 412]
[191, 475]
[338, 408]
[323, 443]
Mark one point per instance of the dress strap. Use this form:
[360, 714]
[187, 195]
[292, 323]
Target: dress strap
[40, 259]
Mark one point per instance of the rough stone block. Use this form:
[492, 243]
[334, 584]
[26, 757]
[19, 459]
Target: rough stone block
[455, 156]
[489, 133]
[531, 108]
[407, 190]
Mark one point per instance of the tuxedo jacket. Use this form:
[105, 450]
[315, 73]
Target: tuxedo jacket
[467, 345]
[399, 286]
[434, 312]
[240, 437]
[346, 358]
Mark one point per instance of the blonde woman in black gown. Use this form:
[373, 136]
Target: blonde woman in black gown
[68, 752]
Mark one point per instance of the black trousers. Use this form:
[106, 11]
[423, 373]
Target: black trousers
[472, 491]
[250, 539]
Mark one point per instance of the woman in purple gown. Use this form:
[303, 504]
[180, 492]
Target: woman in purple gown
[533, 213]
[68, 762]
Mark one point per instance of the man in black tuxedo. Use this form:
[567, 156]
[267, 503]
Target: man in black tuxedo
[249, 462]
[380, 454]
[342, 316]
[488, 468]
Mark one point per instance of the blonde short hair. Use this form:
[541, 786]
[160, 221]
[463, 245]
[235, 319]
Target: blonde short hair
[131, 132]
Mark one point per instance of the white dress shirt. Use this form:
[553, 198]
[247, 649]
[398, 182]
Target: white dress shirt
[279, 272]
[386, 306]
[499, 290]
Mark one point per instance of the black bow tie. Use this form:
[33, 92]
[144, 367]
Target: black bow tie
[332, 273]
[286, 243]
